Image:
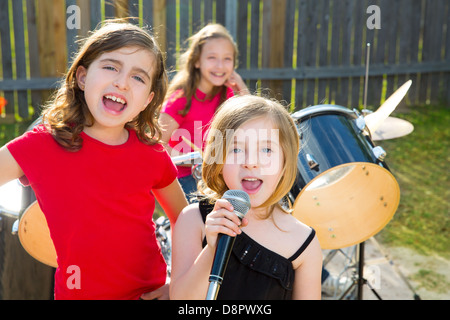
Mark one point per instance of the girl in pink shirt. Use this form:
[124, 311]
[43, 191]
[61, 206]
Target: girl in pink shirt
[205, 80]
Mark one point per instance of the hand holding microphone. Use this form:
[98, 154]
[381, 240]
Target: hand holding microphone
[240, 202]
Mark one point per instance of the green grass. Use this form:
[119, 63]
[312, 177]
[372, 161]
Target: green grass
[10, 131]
[420, 163]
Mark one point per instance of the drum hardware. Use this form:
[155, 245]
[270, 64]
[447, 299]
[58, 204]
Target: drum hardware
[187, 158]
[163, 235]
[379, 153]
[360, 122]
[312, 162]
[15, 228]
[197, 172]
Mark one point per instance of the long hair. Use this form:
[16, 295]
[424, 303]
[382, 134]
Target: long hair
[67, 113]
[187, 79]
[232, 115]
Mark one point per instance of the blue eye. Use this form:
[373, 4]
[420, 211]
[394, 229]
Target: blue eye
[236, 150]
[109, 68]
[139, 79]
[266, 150]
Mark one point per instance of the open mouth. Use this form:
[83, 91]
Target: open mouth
[218, 75]
[251, 185]
[114, 103]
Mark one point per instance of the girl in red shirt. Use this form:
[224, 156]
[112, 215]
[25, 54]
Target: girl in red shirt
[96, 166]
[206, 79]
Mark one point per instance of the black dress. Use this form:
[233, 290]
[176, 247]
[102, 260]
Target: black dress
[255, 272]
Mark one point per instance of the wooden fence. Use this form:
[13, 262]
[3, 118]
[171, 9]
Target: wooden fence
[304, 51]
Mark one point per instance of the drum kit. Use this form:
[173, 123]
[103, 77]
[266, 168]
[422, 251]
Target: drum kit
[344, 188]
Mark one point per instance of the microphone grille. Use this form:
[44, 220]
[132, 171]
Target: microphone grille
[240, 201]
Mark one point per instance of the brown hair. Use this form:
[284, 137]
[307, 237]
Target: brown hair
[67, 113]
[232, 115]
[188, 77]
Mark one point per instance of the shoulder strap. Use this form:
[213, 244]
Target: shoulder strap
[205, 208]
[304, 245]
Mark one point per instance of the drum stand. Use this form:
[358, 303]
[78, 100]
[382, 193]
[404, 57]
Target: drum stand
[358, 279]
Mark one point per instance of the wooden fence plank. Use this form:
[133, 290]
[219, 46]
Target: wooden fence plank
[428, 51]
[171, 36]
[242, 35]
[159, 23]
[378, 53]
[358, 53]
[207, 11]
[329, 37]
[5, 35]
[221, 10]
[147, 14]
[254, 41]
[19, 47]
[133, 9]
[337, 11]
[301, 44]
[436, 41]
[36, 97]
[310, 50]
[446, 77]
[276, 46]
[392, 24]
[196, 15]
[71, 36]
[346, 43]
[324, 20]
[95, 13]
[288, 56]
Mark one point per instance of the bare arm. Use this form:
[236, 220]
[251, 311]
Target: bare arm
[172, 200]
[9, 169]
[191, 264]
[307, 284]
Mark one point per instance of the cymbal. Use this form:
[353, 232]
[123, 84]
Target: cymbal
[375, 119]
[392, 128]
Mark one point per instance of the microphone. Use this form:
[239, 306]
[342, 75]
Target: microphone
[240, 201]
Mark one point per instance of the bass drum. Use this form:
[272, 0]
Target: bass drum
[344, 189]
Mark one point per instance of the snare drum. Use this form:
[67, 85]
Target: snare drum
[344, 189]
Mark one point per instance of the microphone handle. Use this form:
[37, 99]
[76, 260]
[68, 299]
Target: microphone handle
[223, 251]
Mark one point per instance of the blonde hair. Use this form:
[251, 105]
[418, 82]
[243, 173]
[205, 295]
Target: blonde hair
[67, 113]
[232, 115]
[187, 79]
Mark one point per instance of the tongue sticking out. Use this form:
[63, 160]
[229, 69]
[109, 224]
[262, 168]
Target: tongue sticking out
[113, 105]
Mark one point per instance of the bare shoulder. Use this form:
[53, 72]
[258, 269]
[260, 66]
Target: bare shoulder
[300, 233]
[190, 213]
[296, 228]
